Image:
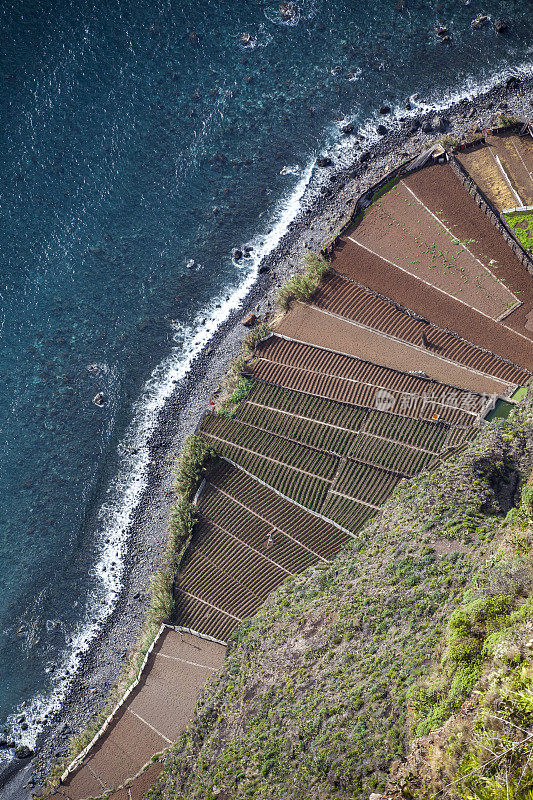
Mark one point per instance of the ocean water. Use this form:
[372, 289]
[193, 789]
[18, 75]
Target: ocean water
[140, 143]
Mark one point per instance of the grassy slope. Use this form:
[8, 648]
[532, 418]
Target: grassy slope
[326, 685]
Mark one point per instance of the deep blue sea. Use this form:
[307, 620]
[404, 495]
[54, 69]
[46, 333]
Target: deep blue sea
[140, 142]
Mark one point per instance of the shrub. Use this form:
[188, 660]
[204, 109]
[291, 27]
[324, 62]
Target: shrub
[191, 465]
[254, 337]
[162, 583]
[303, 286]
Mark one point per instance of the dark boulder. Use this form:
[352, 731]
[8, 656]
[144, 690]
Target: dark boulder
[439, 123]
[512, 83]
[384, 110]
[415, 125]
[23, 751]
[382, 130]
[500, 25]
[347, 129]
[237, 254]
[365, 155]
[324, 162]
[427, 127]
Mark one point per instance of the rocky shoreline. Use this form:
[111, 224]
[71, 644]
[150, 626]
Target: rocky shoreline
[327, 203]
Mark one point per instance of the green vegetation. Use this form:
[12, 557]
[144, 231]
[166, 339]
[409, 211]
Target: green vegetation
[162, 583]
[504, 120]
[192, 464]
[242, 390]
[326, 685]
[303, 285]
[521, 224]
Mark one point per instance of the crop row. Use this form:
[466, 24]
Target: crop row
[418, 432]
[355, 302]
[395, 456]
[299, 486]
[364, 482]
[348, 513]
[307, 405]
[320, 535]
[310, 432]
[328, 362]
[201, 617]
[249, 526]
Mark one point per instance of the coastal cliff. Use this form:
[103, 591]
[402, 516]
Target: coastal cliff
[427, 613]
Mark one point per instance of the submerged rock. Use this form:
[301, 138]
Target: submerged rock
[99, 399]
[347, 129]
[500, 25]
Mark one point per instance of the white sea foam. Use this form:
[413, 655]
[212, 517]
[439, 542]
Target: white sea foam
[126, 490]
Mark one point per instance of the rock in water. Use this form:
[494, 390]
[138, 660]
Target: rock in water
[99, 399]
[500, 25]
[324, 162]
[382, 130]
[23, 751]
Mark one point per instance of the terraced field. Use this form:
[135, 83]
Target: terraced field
[350, 300]
[248, 539]
[425, 319]
[503, 169]
[336, 376]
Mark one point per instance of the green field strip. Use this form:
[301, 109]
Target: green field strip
[275, 448]
[347, 512]
[420, 433]
[394, 456]
[310, 432]
[308, 529]
[307, 405]
[370, 484]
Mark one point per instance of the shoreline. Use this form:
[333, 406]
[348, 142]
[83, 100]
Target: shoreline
[326, 203]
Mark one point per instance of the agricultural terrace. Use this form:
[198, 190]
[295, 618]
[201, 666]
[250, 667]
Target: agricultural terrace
[502, 167]
[377, 372]
[454, 275]
[153, 716]
[247, 541]
[307, 323]
[345, 298]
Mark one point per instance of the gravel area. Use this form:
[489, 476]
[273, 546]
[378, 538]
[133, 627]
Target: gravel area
[327, 204]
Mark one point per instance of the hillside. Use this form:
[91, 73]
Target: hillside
[324, 688]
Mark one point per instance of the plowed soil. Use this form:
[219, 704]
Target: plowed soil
[440, 189]
[444, 311]
[347, 299]
[308, 324]
[426, 244]
[153, 716]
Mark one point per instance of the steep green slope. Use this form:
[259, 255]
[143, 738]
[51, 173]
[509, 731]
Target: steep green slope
[328, 683]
